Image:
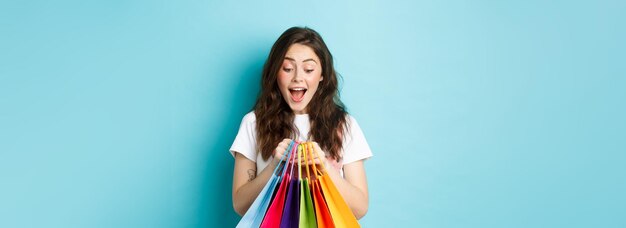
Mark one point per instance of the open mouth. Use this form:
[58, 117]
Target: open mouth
[297, 94]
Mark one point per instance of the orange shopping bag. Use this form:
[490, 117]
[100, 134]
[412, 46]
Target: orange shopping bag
[340, 211]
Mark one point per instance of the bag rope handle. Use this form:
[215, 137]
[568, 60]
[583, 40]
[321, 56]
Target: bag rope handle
[282, 158]
[306, 159]
[299, 162]
[315, 169]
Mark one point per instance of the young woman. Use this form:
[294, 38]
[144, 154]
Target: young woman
[299, 100]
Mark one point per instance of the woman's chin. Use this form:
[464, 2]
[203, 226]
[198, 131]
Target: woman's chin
[298, 108]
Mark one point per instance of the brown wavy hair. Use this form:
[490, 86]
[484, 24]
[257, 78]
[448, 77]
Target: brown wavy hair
[327, 114]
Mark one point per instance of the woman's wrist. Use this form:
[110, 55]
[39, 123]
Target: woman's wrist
[275, 162]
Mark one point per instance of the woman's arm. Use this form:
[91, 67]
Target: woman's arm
[246, 184]
[353, 186]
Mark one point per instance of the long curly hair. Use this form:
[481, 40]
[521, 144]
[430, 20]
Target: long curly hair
[327, 114]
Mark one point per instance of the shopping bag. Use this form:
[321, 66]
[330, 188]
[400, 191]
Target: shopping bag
[274, 212]
[322, 215]
[340, 211]
[291, 211]
[254, 215]
[307, 211]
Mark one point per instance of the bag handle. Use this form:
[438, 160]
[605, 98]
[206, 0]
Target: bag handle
[283, 158]
[306, 159]
[293, 160]
[299, 162]
[289, 151]
[317, 153]
[316, 172]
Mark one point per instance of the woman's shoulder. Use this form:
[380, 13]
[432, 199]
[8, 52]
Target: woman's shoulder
[350, 120]
[250, 117]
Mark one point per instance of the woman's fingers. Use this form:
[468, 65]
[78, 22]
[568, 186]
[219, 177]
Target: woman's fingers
[281, 149]
[313, 155]
[319, 156]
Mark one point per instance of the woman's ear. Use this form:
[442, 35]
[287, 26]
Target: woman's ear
[322, 78]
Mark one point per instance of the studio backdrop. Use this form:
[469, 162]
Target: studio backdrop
[478, 113]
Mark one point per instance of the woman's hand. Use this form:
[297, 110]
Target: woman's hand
[322, 160]
[317, 156]
[280, 150]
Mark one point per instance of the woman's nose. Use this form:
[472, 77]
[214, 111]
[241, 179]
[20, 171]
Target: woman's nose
[297, 76]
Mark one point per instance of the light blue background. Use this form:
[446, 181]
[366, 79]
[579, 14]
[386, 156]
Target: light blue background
[479, 113]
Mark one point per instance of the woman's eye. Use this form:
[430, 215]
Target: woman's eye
[308, 71]
[287, 70]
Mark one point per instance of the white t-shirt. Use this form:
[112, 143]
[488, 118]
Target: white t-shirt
[355, 146]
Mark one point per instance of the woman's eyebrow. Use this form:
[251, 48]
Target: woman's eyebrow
[293, 60]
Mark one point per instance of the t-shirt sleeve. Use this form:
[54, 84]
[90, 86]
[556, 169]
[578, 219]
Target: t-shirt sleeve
[245, 142]
[355, 146]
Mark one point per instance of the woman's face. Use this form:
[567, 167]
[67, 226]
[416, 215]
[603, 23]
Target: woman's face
[299, 76]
